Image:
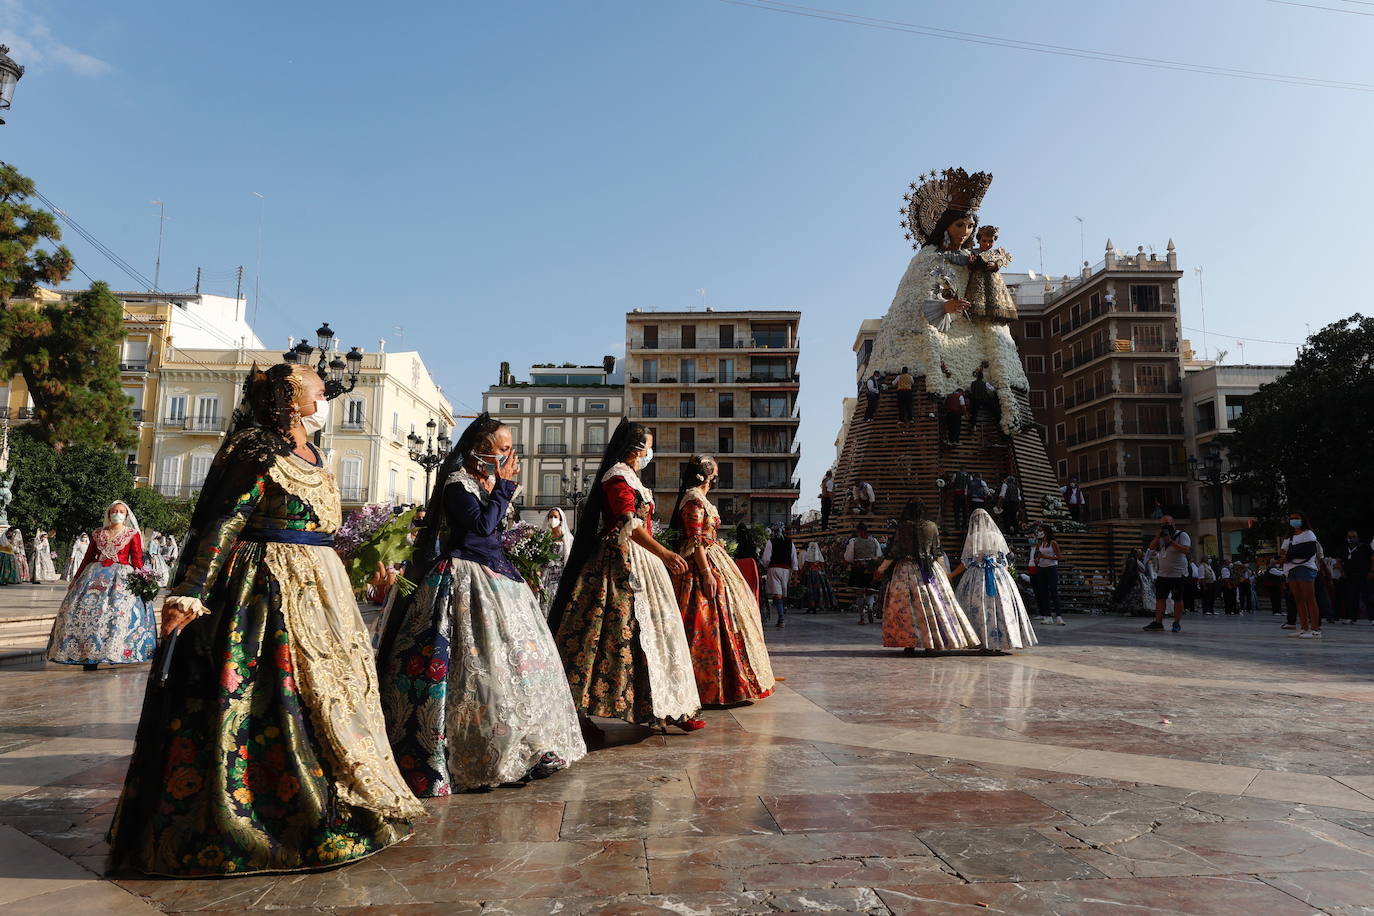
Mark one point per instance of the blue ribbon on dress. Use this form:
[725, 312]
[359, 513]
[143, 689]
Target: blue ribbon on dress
[989, 566]
[288, 536]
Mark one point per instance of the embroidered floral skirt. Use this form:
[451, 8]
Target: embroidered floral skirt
[472, 687]
[729, 656]
[237, 767]
[101, 622]
[1000, 617]
[921, 613]
[622, 639]
[9, 570]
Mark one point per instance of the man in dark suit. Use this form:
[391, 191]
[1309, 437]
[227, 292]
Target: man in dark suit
[1355, 582]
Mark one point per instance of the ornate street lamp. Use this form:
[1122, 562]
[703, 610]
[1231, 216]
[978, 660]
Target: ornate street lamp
[576, 487]
[10, 72]
[340, 375]
[429, 457]
[1212, 470]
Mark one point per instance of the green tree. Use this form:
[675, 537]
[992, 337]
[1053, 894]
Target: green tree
[1303, 441]
[68, 353]
[97, 477]
[156, 512]
[40, 493]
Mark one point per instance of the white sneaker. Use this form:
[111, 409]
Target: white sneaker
[1315, 634]
[1308, 634]
[1298, 634]
[1059, 621]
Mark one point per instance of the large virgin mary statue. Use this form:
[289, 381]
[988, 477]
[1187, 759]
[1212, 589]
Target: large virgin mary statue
[930, 327]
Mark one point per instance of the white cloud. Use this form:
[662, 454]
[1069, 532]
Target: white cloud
[32, 43]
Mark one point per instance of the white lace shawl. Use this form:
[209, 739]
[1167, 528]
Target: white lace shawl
[984, 538]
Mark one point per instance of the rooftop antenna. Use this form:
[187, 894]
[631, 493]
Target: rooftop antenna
[1082, 251]
[257, 272]
[161, 222]
[1202, 310]
[1040, 243]
[400, 335]
[1241, 344]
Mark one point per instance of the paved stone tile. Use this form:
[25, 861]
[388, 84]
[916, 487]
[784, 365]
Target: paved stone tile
[1097, 805]
[785, 780]
[452, 824]
[649, 815]
[907, 811]
[1229, 896]
[1347, 893]
[1005, 854]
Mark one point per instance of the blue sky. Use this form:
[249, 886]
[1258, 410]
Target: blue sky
[505, 180]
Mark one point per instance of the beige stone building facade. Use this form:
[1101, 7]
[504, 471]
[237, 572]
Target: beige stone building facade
[365, 441]
[724, 384]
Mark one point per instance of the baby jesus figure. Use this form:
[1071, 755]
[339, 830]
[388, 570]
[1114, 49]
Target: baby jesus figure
[987, 295]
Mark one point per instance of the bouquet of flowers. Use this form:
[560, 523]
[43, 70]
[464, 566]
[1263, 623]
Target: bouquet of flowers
[530, 549]
[143, 583]
[359, 527]
[668, 537]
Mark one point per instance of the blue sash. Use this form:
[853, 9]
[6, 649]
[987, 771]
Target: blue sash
[288, 536]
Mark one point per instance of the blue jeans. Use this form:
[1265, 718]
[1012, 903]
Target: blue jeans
[779, 605]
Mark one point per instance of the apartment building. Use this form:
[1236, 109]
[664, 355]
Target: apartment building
[154, 323]
[365, 441]
[1103, 354]
[1213, 397]
[723, 383]
[560, 421]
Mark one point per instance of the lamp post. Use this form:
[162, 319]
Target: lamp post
[576, 487]
[430, 458]
[332, 370]
[1212, 470]
[10, 72]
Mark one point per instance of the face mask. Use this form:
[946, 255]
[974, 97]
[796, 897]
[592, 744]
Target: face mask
[491, 466]
[316, 421]
[1295, 523]
[118, 517]
[644, 459]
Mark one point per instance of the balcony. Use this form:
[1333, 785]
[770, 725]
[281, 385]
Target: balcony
[1089, 315]
[553, 448]
[700, 343]
[1125, 428]
[353, 494]
[136, 416]
[659, 378]
[353, 425]
[1133, 467]
[137, 365]
[776, 485]
[179, 490]
[196, 424]
[1118, 348]
[548, 501]
[592, 448]
[1092, 393]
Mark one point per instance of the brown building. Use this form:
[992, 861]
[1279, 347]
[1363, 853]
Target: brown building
[1102, 352]
[723, 384]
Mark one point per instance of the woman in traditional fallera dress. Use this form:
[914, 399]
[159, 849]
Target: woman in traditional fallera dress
[76, 555]
[9, 569]
[719, 612]
[556, 523]
[920, 609]
[472, 687]
[21, 559]
[264, 750]
[101, 620]
[820, 596]
[987, 592]
[43, 568]
[156, 561]
[615, 617]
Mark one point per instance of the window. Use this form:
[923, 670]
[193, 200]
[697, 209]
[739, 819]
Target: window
[391, 480]
[596, 436]
[1153, 419]
[725, 403]
[354, 413]
[553, 405]
[768, 405]
[207, 412]
[727, 337]
[1058, 395]
[1235, 406]
[1059, 434]
[551, 434]
[651, 337]
[650, 371]
[687, 439]
[1034, 330]
[770, 475]
[410, 488]
[169, 480]
[396, 430]
[769, 336]
[765, 441]
[728, 513]
[1037, 398]
[687, 405]
[1148, 338]
[648, 405]
[135, 353]
[200, 468]
[1204, 415]
[351, 480]
[1150, 378]
[769, 512]
[598, 405]
[687, 371]
[1145, 297]
[1057, 360]
[510, 405]
[1075, 315]
[1154, 460]
[649, 476]
[1061, 467]
[1054, 326]
[1035, 365]
[689, 337]
[550, 488]
[725, 440]
[726, 371]
[773, 368]
[727, 475]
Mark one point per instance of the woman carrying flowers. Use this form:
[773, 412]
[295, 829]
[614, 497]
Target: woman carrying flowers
[472, 686]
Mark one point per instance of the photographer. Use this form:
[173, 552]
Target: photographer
[1172, 547]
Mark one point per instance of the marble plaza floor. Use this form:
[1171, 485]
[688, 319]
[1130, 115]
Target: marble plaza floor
[1223, 770]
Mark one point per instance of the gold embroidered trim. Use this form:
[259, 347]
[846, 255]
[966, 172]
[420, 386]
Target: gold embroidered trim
[313, 485]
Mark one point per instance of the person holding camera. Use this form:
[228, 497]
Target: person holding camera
[1172, 547]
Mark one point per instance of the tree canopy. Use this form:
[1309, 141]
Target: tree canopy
[67, 352]
[1303, 441]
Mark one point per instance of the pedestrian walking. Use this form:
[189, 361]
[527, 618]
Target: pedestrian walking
[820, 596]
[780, 561]
[1010, 505]
[862, 554]
[1045, 558]
[920, 609]
[1207, 585]
[1301, 554]
[1171, 546]
[1357, 577]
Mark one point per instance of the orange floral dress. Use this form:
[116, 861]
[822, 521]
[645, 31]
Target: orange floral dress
[724, 631]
